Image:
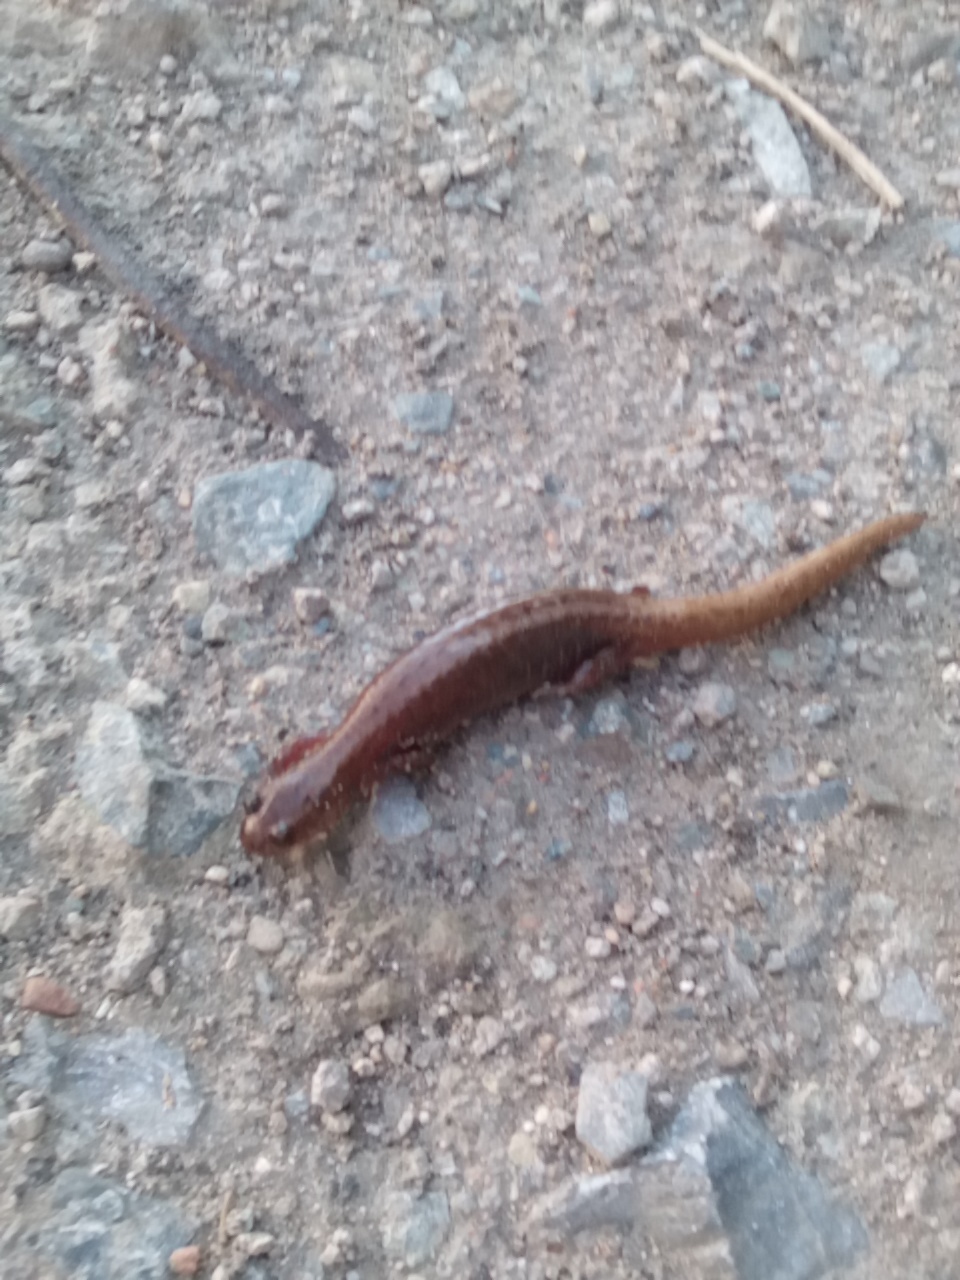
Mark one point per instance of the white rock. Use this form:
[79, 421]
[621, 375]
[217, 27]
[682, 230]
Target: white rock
[435, 176]
[601, 15]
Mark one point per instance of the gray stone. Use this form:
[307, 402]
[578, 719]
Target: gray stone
[435, 176]
[201, 106]
[25, 471]
[113, 394]
[59, 309]
[128, 1079]
[330, 1086]
[899, 569]
[493, 99]
[809, 804]
[618, 809]
[425, 413]
[20, 915]
[775, 148]
[143, 698]
[796, 33]
[253, 520]
[30, 420]
[589, 1203]
[871, 913]
[24, 798]
[94, 1228]
[820, 714]
[186, 808]
[719, 1198]
[143, 935]
[869, 986]
[906, 1002]
[95, 667]
[398, 813]
[601, 15]
[714, 703]
[415, 1226]
[221, 624]
[876, 797]
[757, 519]
[591, 81]
[741, 988]
[48, 256]
[803, 487]
[265, 935]
[131, 789]
[444, 95]
[783, 766]
[843, 227]
[881, 360]
[719, 1168]
[612, 1121]
[609, 717]
[803, 1021]
[804, 935]
[114, 772]
[310, 604]
[27, 1123]
[489, 1035]
[922, 47]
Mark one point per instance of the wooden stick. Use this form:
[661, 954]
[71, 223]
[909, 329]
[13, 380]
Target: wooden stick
[865, 169]
[223, 360]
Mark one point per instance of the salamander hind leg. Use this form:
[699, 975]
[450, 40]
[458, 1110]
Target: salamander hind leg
[603, 666]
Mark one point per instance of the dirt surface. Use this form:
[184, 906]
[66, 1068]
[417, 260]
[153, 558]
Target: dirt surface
[650, 385]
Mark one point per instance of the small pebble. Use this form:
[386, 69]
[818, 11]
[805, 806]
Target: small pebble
[435, 177]
[330, 1086]
[192, 597]
[274, 205]
[27, 1124]
[20, 916]
[48, 256]
[265, 935]
[714, 703]
[185, 1261]
[600, 225]
[21, 322]
[310, 604]
[543, 969]
[601, 15]
[899, 569]
[44, 995]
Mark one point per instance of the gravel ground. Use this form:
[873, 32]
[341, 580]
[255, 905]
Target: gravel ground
[576, 310]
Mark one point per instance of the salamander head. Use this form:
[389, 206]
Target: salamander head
[263, 831]
[293, 806]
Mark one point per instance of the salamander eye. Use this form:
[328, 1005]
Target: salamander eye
[253, 804]
[281, 833]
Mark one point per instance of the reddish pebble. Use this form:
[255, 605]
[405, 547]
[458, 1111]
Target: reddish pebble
[43, 995]
[186, 1260]
[528, 922]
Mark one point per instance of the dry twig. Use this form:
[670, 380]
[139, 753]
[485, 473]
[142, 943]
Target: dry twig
[865, 169]
[222, 359]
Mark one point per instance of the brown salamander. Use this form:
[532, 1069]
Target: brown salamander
[568, 639]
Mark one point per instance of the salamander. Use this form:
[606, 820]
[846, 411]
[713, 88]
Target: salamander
[569, 640]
